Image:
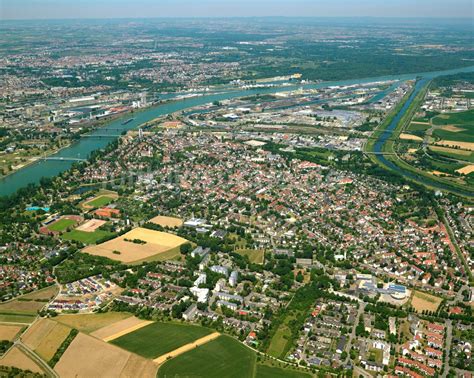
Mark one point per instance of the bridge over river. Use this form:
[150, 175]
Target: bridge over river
[54, 165]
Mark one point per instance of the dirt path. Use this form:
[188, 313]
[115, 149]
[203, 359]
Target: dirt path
[186, 348]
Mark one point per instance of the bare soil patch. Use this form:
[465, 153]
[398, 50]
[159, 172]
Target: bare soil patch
[423, 301]
[167, 221]
[91, 225]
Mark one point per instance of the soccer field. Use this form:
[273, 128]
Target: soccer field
[159, 338]
[62, 224]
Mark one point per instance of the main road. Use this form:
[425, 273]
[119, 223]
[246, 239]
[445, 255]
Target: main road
[82, 149]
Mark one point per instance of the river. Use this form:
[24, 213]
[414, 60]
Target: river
[101, 137]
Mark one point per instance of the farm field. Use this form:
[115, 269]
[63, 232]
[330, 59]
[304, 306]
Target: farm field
[91, 322]
[454, 153]
[406, 136]
[103, 360]
[153, 243]
[460, 118]
[167, 221]
[423, 301]
[120, 328]
[21, 307]
[16, 318]
[466, 170]
[45, 337]
[456, 144]
[8, 332]
[264, 371]
[86, 237]
[186, 348]
[42, 295]
[16, 358]
[223, 357]
[157, 339]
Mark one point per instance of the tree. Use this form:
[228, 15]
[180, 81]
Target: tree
[185, 248]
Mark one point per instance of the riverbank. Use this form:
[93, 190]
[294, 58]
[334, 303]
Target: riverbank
[99, 139]
[389, 131]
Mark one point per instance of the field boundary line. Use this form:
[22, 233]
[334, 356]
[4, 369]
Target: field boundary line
[186, 348]
[127, 331]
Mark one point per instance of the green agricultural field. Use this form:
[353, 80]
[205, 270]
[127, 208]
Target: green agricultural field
[458, 119]
[264, 371]
[157, 339]
[255, 255]
[86, 237]
[100, 201]
[62, 225]
[467, 135]
[223, 357]
[16, 318]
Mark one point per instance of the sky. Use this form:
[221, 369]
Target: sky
[54, 9]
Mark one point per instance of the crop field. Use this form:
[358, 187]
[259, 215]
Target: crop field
[167, 221]
[406, 136]
[264, 371]
[467, 135]
[90, 357]
[424, 302]
[45, 337]
[42, 295]
[16, 358]
[256, 256]
[21, 307]
[91, 322]
[16, 318]
[456, 144]
[153, 243]
[120, 328]
[454, 153]
[466, 170]
[461, 118]
[222, 357]
[157, 339]
[8, 332]
[86, 237]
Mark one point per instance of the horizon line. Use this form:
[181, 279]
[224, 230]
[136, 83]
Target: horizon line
[470, 18]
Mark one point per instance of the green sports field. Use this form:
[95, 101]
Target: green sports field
[61, 224]
[157, 339]
[100, 201]
[222, 357]
[86, 237]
